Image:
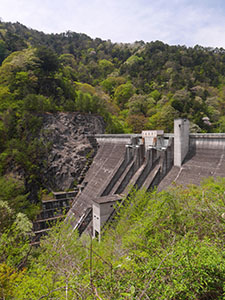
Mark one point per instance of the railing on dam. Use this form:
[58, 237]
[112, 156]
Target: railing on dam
[115, 138]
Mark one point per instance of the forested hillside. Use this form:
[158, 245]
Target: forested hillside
[172, 252]
[141, 85]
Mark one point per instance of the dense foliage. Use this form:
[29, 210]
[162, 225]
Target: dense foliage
[143, 85]
[167, 245]
[171, 249]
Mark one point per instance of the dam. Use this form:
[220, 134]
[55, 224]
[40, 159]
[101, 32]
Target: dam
[145, 160]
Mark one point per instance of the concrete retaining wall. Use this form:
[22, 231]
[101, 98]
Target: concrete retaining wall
[207, 140]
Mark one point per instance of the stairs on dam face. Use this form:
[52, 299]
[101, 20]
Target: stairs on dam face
[103, 154]
[102, 167]
[53, 210]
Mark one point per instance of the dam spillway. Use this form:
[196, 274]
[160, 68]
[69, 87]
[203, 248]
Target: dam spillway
[205, 158]
[123, 161]
[126, 160]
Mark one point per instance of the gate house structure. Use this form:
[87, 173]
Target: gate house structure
[145, 160]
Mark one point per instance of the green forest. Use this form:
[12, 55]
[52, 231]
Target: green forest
[174, 251]
[167, 245]
[134, 86]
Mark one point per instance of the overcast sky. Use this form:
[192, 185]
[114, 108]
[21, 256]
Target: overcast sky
[183, 22]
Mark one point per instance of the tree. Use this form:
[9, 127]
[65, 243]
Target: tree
[140, 104]
[122, 94]
[37, 103]
[163, 119]
[137, 122]
[9, 279]
[181, 101]
[15, 242]
[47, 60]
[61, 270]
[106, 67]
[111, 83]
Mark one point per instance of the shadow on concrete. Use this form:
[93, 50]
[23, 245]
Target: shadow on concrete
[190, 155]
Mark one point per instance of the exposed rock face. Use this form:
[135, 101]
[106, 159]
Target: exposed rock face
[71, 149]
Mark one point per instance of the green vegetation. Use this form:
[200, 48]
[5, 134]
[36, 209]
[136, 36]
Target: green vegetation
[171, 81]
[167, 245]
[173, 249]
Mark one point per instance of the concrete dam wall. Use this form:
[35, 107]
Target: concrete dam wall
[144, 161]
[205, 158]
[122, 161]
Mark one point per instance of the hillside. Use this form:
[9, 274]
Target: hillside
[143, 85]
[167, 245]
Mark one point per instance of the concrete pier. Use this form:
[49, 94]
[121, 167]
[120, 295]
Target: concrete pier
[181, 140]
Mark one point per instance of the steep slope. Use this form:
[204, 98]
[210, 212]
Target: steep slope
[71, 150]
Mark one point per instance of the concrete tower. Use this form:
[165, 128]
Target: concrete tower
[181, 140]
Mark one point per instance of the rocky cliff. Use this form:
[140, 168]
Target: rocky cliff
[70, 148]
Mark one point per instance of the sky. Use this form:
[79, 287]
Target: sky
[175, 22]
